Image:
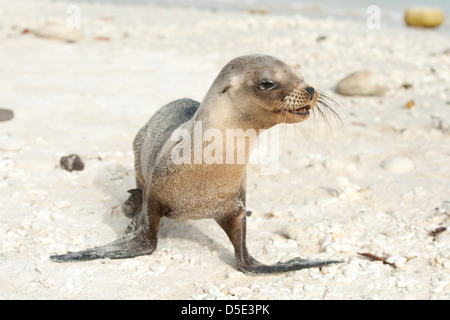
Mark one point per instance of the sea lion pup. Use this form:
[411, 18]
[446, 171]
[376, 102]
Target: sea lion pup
[251, 92]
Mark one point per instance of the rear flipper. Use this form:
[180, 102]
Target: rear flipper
[119, 249]
[235, 228]
[252, 266]
[133, 205]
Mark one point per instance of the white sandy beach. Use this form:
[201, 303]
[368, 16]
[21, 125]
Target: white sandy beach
[335, 195]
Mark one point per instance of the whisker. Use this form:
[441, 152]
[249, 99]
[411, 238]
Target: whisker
[322, 113]
[326, 98]
[279, 115]
[325, 110]
[283, 139]
[326, 101]
[324, 95]
[330, 111]
[279, 105]
[315, 118]
[303, 131]
[295, 129]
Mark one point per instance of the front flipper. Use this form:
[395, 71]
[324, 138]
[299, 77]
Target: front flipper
[235, 228]
[140, 238]
[120, 249]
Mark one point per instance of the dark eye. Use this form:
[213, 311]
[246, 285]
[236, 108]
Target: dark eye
[268, 85]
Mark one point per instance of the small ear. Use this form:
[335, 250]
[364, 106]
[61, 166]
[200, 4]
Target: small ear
[298, 73]
[228, 86]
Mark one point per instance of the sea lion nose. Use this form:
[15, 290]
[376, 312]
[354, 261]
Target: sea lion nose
[311, 92]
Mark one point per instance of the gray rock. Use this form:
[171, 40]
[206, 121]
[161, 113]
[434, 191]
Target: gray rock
[72, 162]
[6, 114]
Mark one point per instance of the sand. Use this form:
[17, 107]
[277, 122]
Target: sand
[379, 183]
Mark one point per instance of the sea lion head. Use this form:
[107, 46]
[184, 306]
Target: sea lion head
[266, 91]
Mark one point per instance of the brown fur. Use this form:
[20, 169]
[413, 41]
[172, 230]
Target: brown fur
[251, 92]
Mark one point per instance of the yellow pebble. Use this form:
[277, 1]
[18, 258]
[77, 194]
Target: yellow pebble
[424, 17]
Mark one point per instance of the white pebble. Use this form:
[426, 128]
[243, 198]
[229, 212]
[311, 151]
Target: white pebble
[398, 164]
[53, 30]
[438, 289]
[285, 243]
[157, 268]
[313, 288]
[210, 289]
[362, 83]
[291, 231]
[325, 241]
[236, 275]
[347, 190]
[62, 204]
[10, 144]
[240, 291]
[446, 264]
[396, 260]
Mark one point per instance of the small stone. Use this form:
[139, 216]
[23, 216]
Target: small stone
[410, 104]
[54, 30]
[6, 114]
[285, 243]
[236, 275]
[346, 189]
[71, 162]
[157, 268]
[362, 83]
[424, 17]
[398, 165]
[291, 231]
[446, 264]
[407, 86]
[261, 11]
[440, 123]
[444, 207]
[10, 144]
[397, 261]
[62, 204]
[240, 291]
